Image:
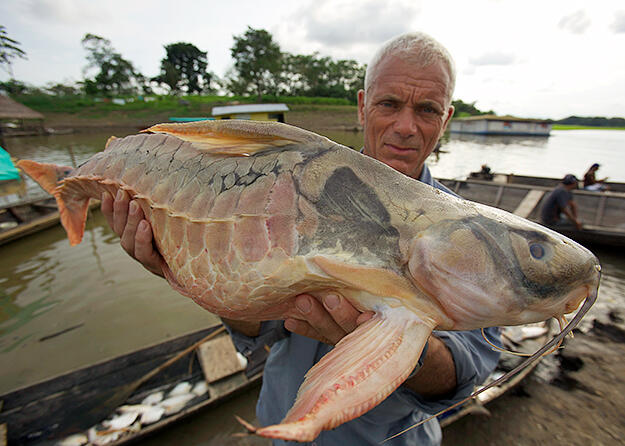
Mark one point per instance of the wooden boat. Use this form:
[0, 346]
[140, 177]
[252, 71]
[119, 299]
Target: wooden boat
[525, 339]
[27, 216]
[510, 178]
[602, 213]
[69, 404]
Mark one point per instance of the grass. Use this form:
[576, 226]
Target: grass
[582, 127]
[183, 105]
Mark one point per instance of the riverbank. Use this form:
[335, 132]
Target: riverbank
[583, 405]
[311, 116]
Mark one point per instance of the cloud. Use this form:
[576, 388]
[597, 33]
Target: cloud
[66, 12]
[618, 25]
[576, 23]
[493, 58]
[344, 23]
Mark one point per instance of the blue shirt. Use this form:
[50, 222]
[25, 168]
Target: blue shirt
[293, 355]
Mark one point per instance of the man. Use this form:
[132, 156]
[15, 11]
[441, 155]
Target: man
[559, 203]
[404, 109]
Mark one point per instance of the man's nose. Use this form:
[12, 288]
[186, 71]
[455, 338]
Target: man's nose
[406, 123]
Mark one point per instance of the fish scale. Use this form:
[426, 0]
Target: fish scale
[247, 215]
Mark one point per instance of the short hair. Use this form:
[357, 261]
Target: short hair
[417, 48]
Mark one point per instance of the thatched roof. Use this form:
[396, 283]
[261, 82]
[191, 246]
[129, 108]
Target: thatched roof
[9, 109]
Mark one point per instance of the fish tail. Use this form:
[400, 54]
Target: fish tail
[72, 209]
[359, 373]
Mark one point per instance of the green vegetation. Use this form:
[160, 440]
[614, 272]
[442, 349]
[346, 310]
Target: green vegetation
[184, 69]
[9, 50]
[260, 69]
[464, 109]
[583, 127]
[114, 74]
[192, 105]
[592, 122]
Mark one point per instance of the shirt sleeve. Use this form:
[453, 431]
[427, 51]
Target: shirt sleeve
[474, 359]
[270, 332]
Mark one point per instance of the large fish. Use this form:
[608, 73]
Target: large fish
[247, 215]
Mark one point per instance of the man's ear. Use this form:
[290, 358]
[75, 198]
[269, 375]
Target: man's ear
[450, 113]
[361, 107]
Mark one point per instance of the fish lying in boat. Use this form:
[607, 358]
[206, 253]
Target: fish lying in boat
[247, 215]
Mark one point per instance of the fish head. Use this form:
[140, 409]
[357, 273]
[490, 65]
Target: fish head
[492, 268]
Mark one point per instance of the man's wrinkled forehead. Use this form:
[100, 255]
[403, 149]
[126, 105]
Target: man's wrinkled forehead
[386, 67]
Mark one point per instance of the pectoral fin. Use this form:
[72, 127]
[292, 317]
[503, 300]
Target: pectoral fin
[360, 372]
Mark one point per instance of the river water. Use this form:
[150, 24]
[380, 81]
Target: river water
[111, 306]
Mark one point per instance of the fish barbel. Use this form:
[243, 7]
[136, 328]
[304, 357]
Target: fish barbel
[247, 215]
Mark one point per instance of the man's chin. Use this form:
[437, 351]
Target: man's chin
[407, 169]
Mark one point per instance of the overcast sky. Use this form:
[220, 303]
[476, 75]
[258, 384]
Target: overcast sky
[546, 59]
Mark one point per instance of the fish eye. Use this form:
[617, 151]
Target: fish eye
[537, 251]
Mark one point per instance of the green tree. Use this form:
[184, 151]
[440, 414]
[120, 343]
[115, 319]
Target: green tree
[115, 75]
[468, 109]
[9, 50]
[314, 75]
[14, 87]
[257, 63]
[184, 69]
[59, 89]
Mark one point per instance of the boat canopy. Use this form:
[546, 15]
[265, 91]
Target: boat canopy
[7, 170]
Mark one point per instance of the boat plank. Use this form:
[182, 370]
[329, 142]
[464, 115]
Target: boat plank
[529, 202]
[600, 210]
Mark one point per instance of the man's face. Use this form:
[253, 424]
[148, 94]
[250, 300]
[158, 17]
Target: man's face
[404, 113]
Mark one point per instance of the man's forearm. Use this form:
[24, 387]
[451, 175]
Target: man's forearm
[437, 375]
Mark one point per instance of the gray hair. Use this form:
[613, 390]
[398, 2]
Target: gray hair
[416, 48]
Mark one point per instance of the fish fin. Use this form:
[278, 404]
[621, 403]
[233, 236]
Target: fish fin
[237, 137]
[48, 176]
[73, 216]
[73, 211]
[109, 141]
[359, 373]
[377, 281]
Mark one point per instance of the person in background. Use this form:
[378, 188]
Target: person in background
[404, 109]
[560, 204]
[591, 182]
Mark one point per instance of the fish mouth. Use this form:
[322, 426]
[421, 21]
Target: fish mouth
[573, 301]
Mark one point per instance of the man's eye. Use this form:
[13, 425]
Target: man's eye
[387, 104]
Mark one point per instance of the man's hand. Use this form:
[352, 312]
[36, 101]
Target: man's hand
[126, 219]
[327, 318]
[330, 317]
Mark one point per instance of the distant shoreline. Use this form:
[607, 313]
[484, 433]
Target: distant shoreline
[310, 116]
[582, 127]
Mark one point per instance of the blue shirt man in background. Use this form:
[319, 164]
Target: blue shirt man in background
[404, 110]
